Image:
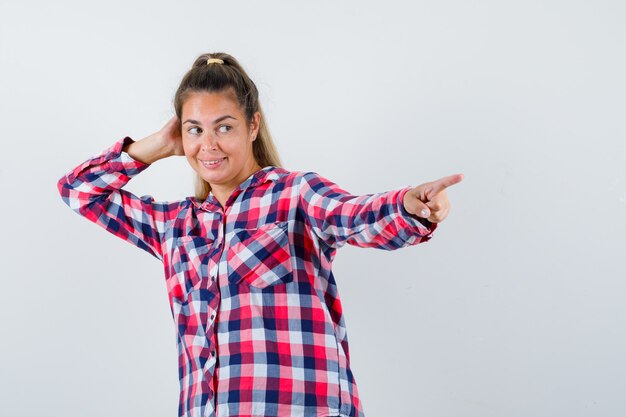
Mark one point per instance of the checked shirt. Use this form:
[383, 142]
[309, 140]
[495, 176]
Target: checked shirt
[259, 324]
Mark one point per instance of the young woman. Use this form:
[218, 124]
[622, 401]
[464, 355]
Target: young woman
[247, 260]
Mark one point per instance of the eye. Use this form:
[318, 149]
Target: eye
[224, 128]
[191, 130]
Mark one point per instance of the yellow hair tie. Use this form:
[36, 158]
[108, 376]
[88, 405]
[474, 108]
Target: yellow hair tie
[214, 60]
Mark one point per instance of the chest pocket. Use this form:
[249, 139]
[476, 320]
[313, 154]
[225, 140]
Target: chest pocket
[260, 257]
[190, 258]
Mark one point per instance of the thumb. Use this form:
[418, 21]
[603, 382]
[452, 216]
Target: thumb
[422, 210]
[415, 206]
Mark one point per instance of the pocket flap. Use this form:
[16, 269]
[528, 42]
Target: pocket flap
[261, 257]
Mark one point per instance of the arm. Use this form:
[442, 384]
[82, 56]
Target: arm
[373, 220]
[94, 190]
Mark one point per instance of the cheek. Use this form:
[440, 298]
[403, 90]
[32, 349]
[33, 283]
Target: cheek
[241, 147]
[188, 148]
[190, 152]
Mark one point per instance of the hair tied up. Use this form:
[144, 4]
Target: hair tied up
[231, 79]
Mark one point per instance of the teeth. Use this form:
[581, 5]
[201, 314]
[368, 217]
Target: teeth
[213, 162]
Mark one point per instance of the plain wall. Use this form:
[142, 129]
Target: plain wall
[514, 308]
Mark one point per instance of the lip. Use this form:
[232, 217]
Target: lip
[205, 162]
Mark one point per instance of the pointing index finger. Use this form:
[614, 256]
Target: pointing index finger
[443, 183]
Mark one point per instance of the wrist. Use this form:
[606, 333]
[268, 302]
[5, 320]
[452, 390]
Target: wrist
[148, 150]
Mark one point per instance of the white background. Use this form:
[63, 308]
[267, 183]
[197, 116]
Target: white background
[514, 308]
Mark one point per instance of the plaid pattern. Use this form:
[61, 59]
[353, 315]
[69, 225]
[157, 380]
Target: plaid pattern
[259, 323]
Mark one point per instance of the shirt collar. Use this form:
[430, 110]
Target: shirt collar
[268, 173]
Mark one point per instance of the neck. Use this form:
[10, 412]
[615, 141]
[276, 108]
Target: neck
[223, 191]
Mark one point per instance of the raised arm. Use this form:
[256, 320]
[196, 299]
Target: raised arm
[94, 189]
[373, 220]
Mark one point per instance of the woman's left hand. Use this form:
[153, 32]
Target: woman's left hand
[429, 200]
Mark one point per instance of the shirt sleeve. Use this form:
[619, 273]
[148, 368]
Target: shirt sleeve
[372, 220]
[93, 190]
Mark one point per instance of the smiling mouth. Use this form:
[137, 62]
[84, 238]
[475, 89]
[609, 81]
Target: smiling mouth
[211, 162]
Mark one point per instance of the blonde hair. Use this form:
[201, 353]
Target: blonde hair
[217, 78]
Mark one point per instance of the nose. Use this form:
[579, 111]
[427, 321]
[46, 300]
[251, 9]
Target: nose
[210, 143]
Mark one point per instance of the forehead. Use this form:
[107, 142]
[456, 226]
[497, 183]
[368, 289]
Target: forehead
[205, 105]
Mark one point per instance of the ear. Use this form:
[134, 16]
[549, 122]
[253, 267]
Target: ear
[254, 126]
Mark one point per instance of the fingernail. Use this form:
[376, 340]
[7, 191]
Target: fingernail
[425, 213]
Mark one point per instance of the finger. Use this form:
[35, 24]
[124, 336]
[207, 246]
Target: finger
[441, 184]
[438, 218]
[422, 210]
[417, 207]
[438, 202]
[172, 120]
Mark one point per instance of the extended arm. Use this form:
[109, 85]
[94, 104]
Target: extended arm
[373, 220]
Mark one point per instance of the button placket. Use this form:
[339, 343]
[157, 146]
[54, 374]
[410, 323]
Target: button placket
[212, 282]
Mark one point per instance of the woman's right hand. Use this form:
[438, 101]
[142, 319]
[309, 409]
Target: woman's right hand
[162, 144]
[171, 136]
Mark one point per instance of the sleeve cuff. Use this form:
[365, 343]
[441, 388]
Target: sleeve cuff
[117, 150]
[111, 159]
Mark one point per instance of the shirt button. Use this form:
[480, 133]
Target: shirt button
[212, 316]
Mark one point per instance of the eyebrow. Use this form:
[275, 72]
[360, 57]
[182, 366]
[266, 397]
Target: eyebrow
[219, 119]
